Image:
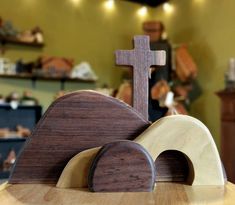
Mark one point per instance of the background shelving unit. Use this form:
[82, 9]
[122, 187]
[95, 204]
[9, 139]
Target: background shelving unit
[26, 116]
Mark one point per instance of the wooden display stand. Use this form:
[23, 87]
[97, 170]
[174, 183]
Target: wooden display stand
[228, 132]
[86, 139]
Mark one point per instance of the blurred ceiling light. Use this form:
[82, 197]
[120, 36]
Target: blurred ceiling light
[143, 11]
[75, 2]
[168, 8]
[109, 4]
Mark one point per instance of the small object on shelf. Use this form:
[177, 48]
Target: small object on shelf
[2, 100]
[28, 99]
[31, 36]
[230, 75]
[83, 71]
[4, 132]
[22, 131]
[7, 67]
[9, 162]
[22, 67]
[105, 90]
[160, 90]
[19, 132]
[155, 30]
[10, 35]
[7, 29]
[125, 93]
[186, 68]
[26, 36]
[56, 66]
[13, 99]
[37, 32]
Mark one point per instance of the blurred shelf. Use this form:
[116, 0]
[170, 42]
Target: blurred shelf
[34, 78]
[12, 40]
[46, 78]
[11, 139]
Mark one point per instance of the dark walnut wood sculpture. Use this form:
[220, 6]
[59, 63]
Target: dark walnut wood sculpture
[122, 166]
[73, 123]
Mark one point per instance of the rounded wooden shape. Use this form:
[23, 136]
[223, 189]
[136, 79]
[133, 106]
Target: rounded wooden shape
[122, 166]
[74, 123]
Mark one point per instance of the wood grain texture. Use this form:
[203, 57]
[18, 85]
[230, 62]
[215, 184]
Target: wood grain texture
[75, 122]
[227, 109]
[190, 137]
[173, 166]
[164, 193]
[141, 59]
[122, 166]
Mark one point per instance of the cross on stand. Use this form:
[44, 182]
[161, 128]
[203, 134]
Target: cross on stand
[141, 59]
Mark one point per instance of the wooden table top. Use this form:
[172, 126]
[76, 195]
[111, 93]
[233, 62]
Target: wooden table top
[164, 193]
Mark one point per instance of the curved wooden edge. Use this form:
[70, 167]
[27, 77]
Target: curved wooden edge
[4, 186]
[108, 171]
[27, 170]
[75, 174]
[191, 137]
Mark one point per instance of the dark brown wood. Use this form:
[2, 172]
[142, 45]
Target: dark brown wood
[122, 166]
[73, 123]
[174, 166]
[141, 58]
[228, 132]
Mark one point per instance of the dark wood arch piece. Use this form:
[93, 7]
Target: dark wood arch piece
[73, 123]
[122, 166]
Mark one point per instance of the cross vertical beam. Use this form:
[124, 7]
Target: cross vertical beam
[141, 58]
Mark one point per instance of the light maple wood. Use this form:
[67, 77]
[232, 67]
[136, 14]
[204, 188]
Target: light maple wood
[191, 137]
[178, 132]
[75, 174]
[164, 193]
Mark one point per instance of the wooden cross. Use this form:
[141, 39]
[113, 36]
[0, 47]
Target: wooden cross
[141, 59]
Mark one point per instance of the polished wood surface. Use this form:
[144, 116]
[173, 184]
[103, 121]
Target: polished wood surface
[228, 132]
[122, 166]
[74, 123]
[182, 133]
[164, 194]
[141, 58]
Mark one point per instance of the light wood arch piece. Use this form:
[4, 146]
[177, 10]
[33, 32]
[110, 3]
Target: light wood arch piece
[191, 137]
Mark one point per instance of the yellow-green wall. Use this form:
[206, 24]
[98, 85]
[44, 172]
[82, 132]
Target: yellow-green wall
[89, 32]
[207, 26]
[85, 31]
